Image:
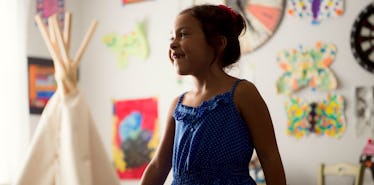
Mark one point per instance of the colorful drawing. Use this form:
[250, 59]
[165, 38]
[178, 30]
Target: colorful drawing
[367, 156]
[42, 84]
[134, 44]
[321, 118]
[124, 2]
[364, 109]
[317, 10]
[135, 136]
[307, 68]
[46, 8]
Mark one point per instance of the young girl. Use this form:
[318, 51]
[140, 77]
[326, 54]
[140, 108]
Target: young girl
[212, 130]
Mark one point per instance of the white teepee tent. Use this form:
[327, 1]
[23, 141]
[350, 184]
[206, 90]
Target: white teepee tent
[66, 148]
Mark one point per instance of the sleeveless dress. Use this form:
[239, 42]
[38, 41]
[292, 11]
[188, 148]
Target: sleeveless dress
[212, 145]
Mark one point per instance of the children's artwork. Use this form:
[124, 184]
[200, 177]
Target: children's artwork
[124, 2]
[324, 117]
[134, 44]
[42, 84]
[364, 109]
[317, 10]
[307, 68]
[46, 8]
[367, 156]
[135, 135]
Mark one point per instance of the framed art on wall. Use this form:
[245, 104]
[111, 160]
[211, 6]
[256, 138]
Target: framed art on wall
[41, 82]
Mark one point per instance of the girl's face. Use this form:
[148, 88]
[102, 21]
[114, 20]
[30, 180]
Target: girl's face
[189, 52]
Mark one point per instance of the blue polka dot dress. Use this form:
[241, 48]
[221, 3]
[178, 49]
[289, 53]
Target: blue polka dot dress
[212, 145]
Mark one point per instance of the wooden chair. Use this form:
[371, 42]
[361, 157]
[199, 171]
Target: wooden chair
[341, 169]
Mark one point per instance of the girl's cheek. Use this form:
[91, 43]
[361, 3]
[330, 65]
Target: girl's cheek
[170, 58]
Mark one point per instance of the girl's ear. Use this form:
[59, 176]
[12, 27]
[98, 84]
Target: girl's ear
[221, 43]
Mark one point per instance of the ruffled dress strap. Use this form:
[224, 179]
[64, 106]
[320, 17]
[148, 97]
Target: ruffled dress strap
[181, 98]
[234, 86]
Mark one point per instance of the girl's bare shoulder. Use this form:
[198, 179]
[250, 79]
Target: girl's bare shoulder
[246, 89]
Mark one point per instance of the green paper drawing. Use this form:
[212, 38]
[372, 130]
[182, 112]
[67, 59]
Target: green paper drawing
[131, 45]
[307, 68]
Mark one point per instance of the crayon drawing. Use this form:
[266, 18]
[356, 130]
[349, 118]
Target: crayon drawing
[135, 135]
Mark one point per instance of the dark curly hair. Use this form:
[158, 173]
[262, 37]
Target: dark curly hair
[220, 21]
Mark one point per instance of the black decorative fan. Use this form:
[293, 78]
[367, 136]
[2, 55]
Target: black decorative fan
[362, 38]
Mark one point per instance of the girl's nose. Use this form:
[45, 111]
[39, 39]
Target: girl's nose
[173, 44]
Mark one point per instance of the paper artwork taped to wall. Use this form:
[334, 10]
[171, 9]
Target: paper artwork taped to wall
[305, 67]
[124, 2]
[364, 109]
[324, 117]
[128, 46]
[46, 8]
[135, 135]
[317, 10]
[42, 84]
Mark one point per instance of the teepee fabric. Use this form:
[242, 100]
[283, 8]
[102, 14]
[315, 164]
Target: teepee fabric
[66, 148]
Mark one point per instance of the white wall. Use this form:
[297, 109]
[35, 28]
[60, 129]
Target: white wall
[14, 130]
[102, 80]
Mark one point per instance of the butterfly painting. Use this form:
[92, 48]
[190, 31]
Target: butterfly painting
[324, 117]
[131, 45]
[316, 10]
[307, 67]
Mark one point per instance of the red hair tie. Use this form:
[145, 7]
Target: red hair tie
[229, 10]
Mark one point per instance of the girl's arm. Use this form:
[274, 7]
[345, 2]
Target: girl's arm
[159, 167]
[255, 112]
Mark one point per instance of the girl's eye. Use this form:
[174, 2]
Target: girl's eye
[178, 35]
[182, 34]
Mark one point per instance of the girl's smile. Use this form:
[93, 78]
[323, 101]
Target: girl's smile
[176, 56]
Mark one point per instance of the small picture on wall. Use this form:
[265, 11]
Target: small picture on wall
[364, 109]
[132, 1]
[46, 8]
[41, 81]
